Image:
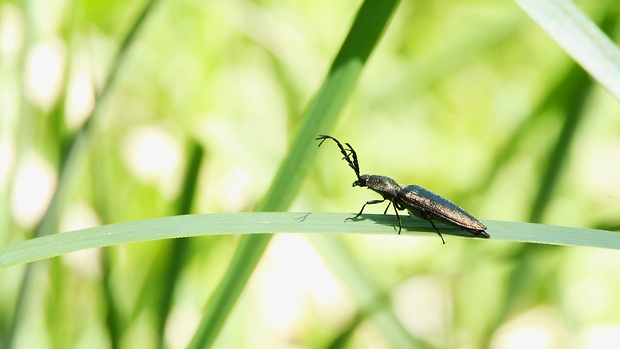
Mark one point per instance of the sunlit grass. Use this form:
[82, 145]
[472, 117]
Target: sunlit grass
[256, 223]
[467, 99]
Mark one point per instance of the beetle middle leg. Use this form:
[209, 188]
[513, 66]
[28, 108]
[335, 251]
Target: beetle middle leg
[400, 224]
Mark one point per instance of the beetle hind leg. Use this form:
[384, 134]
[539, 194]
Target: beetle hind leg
[424, 215]
[437, 230]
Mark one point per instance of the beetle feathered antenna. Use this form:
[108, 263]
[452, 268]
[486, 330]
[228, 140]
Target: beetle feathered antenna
[354, 164]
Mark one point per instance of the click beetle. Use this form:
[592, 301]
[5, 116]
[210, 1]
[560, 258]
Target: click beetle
[420, 202]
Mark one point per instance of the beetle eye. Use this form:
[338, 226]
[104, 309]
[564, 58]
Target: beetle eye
[359, 183]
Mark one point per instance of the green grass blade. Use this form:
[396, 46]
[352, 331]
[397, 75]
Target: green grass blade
[75, 147]
[373, 302]
[71, 162]
[580, 38]
[178, 248]
[552, 98]
[572, 96]
[369, 24]
[283, 222]
[574, 99]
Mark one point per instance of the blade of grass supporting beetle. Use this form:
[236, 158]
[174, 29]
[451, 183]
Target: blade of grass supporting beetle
[370, 22]
[284, 222]
[580, 38]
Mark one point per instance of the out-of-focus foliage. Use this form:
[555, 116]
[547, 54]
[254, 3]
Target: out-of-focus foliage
[470, 99]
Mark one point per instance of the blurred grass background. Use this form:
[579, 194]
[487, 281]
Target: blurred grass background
[470, 99]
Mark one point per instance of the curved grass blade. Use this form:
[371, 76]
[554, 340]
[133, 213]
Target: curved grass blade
[284, 222]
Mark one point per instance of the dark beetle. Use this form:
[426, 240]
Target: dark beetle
[420, 202]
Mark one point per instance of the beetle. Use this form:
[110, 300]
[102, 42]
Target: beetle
[419, 201]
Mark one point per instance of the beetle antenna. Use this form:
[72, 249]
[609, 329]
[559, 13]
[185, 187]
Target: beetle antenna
[354, 164]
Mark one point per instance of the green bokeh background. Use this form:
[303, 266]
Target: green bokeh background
[470, 99]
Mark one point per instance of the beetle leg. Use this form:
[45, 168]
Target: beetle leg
[400, 224]
[426, 216]
[388, 206]
[437, 230]
[371, 202]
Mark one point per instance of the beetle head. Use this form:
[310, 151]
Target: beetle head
[362, 181]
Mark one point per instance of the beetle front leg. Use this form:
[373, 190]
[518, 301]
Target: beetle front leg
[371, 202]
[388, 206]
